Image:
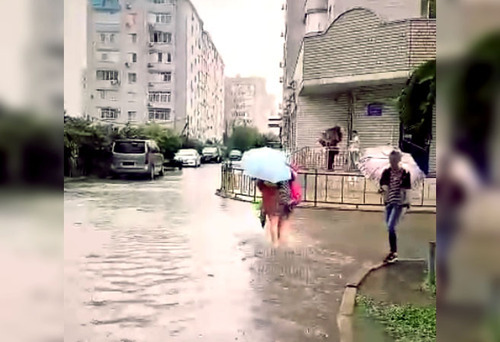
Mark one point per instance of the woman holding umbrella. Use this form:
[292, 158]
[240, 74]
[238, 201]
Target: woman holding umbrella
[276, 205]
[273, 176]
[396, 172]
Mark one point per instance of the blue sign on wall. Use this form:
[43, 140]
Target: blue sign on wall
[374, 109]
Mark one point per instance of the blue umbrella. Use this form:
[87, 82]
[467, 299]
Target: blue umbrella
[266, 164]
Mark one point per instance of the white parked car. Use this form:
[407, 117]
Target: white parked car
[188, 157]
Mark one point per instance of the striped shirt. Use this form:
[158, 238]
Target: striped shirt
[394, 195]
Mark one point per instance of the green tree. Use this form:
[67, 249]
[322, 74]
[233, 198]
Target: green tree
[416, 102]
[245, 138]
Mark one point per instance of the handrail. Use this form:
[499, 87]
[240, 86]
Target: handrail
[321, 187]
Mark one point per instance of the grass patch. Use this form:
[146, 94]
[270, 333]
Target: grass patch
[403, 323]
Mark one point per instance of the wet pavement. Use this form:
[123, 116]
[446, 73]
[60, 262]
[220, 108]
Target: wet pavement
[169, 261]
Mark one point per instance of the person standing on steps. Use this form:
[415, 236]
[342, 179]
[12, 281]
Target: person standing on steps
[394, 184]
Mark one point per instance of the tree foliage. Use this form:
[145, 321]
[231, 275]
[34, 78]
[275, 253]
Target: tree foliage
[416, 102]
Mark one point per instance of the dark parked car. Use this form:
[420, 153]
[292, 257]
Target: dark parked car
[211, 154]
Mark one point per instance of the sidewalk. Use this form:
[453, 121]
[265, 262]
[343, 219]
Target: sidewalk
[327, 248]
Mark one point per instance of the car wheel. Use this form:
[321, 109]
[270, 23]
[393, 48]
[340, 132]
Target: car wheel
[162, 171]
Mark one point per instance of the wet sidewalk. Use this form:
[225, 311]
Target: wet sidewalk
[169, 260]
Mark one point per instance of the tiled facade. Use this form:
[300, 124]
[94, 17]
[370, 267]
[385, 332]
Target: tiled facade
[152, 61]
[349, 74]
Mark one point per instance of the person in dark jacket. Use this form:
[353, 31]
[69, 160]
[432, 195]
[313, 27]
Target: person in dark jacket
[394, 184]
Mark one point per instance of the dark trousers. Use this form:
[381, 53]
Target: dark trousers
[331, 158]
[392, 216]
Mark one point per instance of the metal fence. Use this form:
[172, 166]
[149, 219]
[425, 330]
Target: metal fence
[317, 158]
[319, 187]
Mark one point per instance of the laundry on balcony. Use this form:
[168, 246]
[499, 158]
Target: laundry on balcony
[106, 5]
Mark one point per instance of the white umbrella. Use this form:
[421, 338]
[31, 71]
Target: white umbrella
[375, 160]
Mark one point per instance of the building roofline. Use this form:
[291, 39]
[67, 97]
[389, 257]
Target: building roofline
[377, 16]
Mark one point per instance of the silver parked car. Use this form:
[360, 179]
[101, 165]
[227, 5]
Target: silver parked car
[188, 157]
[137, 157]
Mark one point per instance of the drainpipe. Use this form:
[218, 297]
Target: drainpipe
[350, 113]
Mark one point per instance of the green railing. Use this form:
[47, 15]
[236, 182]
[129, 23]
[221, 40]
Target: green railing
[320, 188]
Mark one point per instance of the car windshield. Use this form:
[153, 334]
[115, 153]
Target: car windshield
[130, 147]
[210, 150]
[187, 153]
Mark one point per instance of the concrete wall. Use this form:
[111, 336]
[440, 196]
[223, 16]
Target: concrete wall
[376, 130]
[318, 113]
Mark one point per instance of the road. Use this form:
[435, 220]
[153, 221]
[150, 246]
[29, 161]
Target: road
[169, 261]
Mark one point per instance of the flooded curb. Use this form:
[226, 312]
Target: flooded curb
[345, 315]
[340, 207]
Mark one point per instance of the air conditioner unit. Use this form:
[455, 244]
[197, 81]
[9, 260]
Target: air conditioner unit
[282, 64]
[150, 84]
[150, 65]
[281, 79]
[282, 35]
[114, 82]
[151, 44]
[128, 5]
[127, 64]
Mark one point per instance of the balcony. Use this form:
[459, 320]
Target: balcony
[314, 6]
[157, 66]
[113, 84]
[99, 46]
[160, 105]
[106, 5]
[160, 86]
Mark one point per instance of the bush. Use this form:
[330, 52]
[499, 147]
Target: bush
[404, 323]
[87, 146]
[245, 138]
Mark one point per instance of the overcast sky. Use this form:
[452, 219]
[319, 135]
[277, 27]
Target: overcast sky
[246, 33]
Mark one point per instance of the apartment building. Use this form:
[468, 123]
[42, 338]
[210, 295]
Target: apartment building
[344, 61]
[151, 61]
[247, 103]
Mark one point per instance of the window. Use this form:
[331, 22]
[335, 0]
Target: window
[109, 113]
[169, 57]
[133, 37]
[107, 75]
[160, 57]
[132, 78]
[163, 18]
[160, 114]
[132, 57]
[165, 97]
[112, 38]
[159, 1]
[107, 94]
[104, 57]
[103, 37]
[166, 76]
[132, 115]
[161, 37]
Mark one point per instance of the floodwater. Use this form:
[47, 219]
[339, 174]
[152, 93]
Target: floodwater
[167, 260]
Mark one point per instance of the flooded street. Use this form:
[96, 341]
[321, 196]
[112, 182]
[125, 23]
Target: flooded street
[169, 261]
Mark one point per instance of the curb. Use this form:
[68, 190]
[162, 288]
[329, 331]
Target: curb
[346, 311]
